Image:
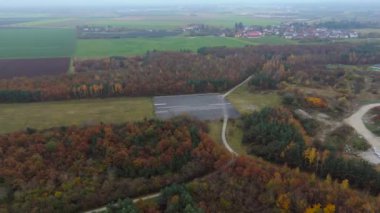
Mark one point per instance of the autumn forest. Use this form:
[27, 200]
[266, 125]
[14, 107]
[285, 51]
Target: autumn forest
[291, 164]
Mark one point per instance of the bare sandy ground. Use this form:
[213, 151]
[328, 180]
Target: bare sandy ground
[357, 123]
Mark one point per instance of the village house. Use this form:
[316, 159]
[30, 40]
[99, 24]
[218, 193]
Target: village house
[253, 34]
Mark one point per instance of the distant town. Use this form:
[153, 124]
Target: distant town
[295, 31]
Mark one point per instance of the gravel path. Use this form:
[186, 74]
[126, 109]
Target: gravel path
[357, 123]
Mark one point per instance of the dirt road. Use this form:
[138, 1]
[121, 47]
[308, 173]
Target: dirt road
[357, 123]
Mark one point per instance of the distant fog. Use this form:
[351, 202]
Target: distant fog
[50, 3]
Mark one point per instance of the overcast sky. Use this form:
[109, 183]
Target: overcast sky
[156, 2]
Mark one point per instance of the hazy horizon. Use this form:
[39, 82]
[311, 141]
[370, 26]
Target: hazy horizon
[46, 3]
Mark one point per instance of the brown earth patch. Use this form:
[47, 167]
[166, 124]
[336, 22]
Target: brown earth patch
[10, 68]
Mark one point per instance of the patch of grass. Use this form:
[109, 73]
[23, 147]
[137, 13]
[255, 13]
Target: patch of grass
[234, 134]
[372, 121]
[36, 43]
[139, 46]
[14, 117]
[215, 130]
[235, 137]
[345, 139]
[348, 67]
[359, 143]
[374, 128]
[246, 101]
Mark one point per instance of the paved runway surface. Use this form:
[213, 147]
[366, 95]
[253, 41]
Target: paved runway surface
[201, 106]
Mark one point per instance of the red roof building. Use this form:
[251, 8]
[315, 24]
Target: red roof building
[254, 34]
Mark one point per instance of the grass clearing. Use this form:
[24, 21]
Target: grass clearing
[36, 43]
[234, 134]
[138, 46]
[246, 101]
[215, 131]
[14, 117]
[235, 137]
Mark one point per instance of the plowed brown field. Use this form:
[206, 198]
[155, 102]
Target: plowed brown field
[10, 68]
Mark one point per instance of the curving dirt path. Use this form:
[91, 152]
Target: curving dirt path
[225, 117]
[356, 121]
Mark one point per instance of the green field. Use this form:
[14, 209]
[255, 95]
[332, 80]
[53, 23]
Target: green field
[138, 46]
[36, 43]
[368, 30]
[49, 22]
[177, 21]
[15, 117]
[151, 20]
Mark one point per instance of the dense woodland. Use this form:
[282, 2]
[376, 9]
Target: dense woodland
[211, 70]
[277, 136]
[70, 169]
[252, 185]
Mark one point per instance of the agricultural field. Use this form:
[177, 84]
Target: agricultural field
[170, 22]
[368, 30]
[165, 19]
[15, 117]
[36, 43]
[13, 21]
[50, 22]
[10, 68]
[137, 46]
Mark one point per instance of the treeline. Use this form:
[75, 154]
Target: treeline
[211, 70]
[69, 169]
[154, 74]
[275, 135]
